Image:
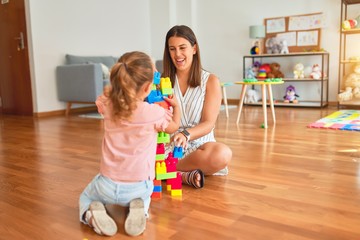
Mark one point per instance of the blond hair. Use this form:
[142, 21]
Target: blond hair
[127, 76]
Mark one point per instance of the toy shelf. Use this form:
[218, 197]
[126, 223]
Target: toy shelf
[345, 62]
[313, 92]
[280, 103]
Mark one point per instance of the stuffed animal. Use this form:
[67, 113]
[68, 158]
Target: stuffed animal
[284, 47]
[275, 71]
[349, 24]
[290, 95]
[256, 65]
[299, 71]
[316, 72]
[352, 85]
[272, 45]
[251, 96]
[255, 49]
[250, 74]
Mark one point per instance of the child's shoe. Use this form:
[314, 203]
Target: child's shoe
[135, 222]
[99, 220]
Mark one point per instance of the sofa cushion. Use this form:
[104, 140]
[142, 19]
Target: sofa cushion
[109, 61]
[105, 71]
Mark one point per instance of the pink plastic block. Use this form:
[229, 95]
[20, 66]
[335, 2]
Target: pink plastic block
[171, 163]
[160, 148]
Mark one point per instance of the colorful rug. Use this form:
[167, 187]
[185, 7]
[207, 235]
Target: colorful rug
[340, 120]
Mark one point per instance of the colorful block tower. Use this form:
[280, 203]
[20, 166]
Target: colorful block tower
[165, 169]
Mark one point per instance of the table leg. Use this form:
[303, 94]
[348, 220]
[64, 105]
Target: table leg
[271, 102]
[263, 90]
[225, 101]
[242, 96]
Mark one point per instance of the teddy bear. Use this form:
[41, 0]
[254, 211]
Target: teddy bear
[275, 71]
[352, 85]
[316, 72]
[299, 71]
[290, 95]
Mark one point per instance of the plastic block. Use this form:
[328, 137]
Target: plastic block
[156, 195]
[167, 91]
[157, 182]
[165, 83]
[176, 183]
[157, 77]
[154, 96]
[163, 104]
[157, 189]
[163, 137]
[177, 192]
[160, 148]
[160, 168]
[171, 163]
[160, 157]
[178, 152]
[163, 176]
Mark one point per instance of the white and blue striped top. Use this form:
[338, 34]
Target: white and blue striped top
[191, 107]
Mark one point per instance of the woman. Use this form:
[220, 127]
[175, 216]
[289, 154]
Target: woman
[199, 95]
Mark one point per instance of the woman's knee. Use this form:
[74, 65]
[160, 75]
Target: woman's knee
[221, 155]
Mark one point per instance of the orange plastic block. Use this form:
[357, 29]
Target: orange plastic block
[163, 104]
[156, 195]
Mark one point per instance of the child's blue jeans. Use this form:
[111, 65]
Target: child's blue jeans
[105, 190]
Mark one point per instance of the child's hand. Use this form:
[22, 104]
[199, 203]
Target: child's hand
[171, 100]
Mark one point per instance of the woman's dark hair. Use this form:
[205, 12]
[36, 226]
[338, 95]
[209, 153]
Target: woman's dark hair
[169, 67]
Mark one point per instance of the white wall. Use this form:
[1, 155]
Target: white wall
[112, 27]
[81, 27]
[223, 32]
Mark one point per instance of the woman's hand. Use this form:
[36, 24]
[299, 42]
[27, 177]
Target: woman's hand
[180, 140]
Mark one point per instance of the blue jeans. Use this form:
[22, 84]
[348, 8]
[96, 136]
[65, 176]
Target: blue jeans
[105, 190]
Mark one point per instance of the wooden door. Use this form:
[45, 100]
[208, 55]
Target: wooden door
[15, 80]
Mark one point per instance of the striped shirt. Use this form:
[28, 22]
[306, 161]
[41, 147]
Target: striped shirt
[191, 106]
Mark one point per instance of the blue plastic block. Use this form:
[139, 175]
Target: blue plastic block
[157, 77]
[157, 189]
[155, 96]
[178, 152]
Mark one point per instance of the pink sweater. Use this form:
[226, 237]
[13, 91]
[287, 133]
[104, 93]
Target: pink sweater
[129, 147]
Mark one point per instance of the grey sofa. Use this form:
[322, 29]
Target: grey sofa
[82, 78]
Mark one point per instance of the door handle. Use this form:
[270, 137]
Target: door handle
[21, 45]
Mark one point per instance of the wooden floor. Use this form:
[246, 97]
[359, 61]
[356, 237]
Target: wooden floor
[285, 182]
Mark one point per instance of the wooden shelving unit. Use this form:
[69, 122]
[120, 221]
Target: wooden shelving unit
[323, 96]
[344, 62]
